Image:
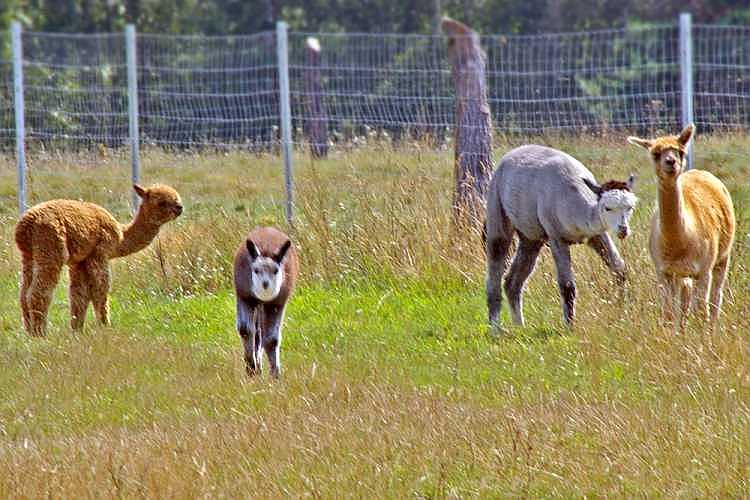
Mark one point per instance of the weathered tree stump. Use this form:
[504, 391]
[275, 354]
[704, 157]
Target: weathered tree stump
[316, 117]
[473, 141]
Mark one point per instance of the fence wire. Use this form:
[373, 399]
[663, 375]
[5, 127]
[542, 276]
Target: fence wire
[208, 91]
[722, 76]
[404, 87]
[198, 91]
[7, 126]
[75, 89]
[612, 79]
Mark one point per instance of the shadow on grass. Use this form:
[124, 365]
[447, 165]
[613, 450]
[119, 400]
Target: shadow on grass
[539, 334]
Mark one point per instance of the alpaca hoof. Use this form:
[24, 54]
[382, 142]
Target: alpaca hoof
[251, 368]
[518, 320]
[496, 330]
[621, 278]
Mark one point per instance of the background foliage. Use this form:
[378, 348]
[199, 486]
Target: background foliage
[215, 17]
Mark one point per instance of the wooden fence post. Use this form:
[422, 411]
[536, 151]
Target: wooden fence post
[473, 141]
[316, 122]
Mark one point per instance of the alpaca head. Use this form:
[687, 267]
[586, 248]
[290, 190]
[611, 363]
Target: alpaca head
[159, 203]
[616, 204]
[267, 271]
[668, 153]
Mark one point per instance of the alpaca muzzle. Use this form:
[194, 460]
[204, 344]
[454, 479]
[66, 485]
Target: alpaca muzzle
[670, 169]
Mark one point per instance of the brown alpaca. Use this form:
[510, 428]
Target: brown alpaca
[265, 272]
[691, 233]
[84, 236]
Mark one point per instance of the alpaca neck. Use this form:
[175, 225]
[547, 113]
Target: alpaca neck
[137, 235]
[671, 213]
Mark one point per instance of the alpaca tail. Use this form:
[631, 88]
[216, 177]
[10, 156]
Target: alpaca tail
[23, 235]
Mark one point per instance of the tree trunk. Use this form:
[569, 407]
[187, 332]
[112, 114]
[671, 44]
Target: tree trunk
[316, 119]
[473, 144]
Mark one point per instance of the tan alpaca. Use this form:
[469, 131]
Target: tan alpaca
[84, 236]
[692, 231]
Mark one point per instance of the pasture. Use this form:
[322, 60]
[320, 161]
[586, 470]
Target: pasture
[393, 385]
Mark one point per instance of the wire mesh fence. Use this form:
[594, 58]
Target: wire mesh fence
[198, 92]
[7, 127]
[722, 76]
[208, 91]
[404, 89]
[625, 78]
[75, 89]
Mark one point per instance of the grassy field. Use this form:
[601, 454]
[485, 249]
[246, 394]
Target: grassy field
[393, 386]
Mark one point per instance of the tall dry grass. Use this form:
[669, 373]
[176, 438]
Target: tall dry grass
[393, 385]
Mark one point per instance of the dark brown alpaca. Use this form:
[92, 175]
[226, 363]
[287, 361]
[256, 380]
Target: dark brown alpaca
[265, 272]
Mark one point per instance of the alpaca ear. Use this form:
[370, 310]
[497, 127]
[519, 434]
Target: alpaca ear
[252, 249]
[637, 141]
[686, 134]
[282, 252]
[593, 186]
[631, 182]
[139, 190]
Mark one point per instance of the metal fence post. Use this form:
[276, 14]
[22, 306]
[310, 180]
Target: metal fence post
[135, 159]
[686, 74]
[19, 113]
[286, 113]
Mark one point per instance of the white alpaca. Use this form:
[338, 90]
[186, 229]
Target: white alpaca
[545, 195]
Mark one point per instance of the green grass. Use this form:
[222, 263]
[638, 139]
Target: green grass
[393, 386]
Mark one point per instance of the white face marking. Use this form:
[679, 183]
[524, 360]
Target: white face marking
[616, 207]
[266, 277]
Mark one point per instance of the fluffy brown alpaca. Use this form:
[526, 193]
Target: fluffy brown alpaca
[691, 233]
[84, 236]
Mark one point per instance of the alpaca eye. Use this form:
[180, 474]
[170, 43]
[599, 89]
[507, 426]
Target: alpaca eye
[276, 271]
[255, 271]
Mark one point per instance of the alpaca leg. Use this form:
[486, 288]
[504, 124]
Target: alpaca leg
[27, 275]
[247, 329]
[565, 279]
[258, 337]
[498, 236]
[699, 303]
[685, 287]
[602, 244]
[719, 273]
[667, 293]
[520, 270]
[271, 332]
[97, 270]
[46, 274]
[79, 295]
[497, 260]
